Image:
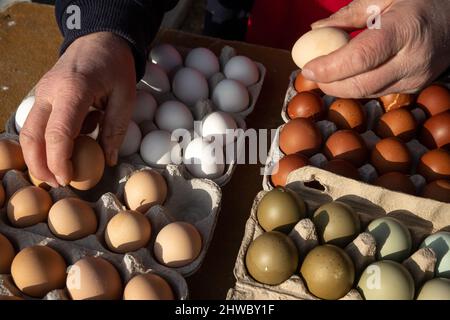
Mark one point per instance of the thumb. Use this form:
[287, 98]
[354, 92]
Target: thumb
[115, 123]
[356, 15]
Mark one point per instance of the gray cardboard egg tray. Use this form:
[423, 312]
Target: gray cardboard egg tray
[196, 201]
[206, 106]
[421, 216]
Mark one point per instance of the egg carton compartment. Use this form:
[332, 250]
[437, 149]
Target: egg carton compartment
[421, 216]
[196, 201]
[367, 172]
[128, 265]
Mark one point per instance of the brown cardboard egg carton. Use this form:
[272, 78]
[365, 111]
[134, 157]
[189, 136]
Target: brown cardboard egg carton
[421, 216]
[196, 201]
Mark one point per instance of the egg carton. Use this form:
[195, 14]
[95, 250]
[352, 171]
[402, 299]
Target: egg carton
[196, 201]
[367, 172]
[421, 216]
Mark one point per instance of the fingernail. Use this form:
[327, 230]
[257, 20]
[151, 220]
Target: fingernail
[319, 24]
[309, 74]
[113, 157]
[61, 181]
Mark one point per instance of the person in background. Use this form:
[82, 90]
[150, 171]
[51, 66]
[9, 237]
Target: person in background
[102, 60]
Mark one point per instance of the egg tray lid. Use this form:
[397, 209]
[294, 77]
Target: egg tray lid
[196, 201]
[421, 216]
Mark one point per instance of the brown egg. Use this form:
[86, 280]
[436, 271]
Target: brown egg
[436, 131]
[7, 254]
[72, 219]
[37, 182]
[149, 286]
[398, 123]
[145, 189]
[302, 84]
[342, 168]
[88, 163]
[285, 166]
[396, 181]
[177, 244]
[346, 145]
[438, 190]
[348, 114]
[11, 156]
[38, 270]
[328, 272]
[396, 101]
[434, 100]
[389, 155]
[300, 136]
[307, 105]
[29, 206]
[435, 165]
[94, 278]
[2, 195]
[128, 231]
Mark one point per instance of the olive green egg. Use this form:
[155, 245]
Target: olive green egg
[280, 209]
[435, 289]
[386, 280]
[328, 271]
[336, 223]
[392, 237]
[272, 258]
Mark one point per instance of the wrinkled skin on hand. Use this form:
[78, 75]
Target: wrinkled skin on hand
[96, 70]
[409, 51]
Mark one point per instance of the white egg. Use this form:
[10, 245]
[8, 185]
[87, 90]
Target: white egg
[190, 86]
[145, 107]
[166, 56]
[440, 243]
[132, 140]
[318, 42]
[172, 115]
[203, 60]
[216, 125]
[231, 96]
[158, 149]
[22, 112]
[242, 69]
[147, 126]
[155, 80]
[204, 159]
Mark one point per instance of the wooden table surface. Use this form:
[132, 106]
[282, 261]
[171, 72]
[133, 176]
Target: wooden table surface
[29, 47]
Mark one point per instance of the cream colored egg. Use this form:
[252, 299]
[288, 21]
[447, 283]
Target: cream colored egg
[173, 115]
[88, 163]
[145, 189]
[94, 278]
[38, 270]
[148, 286]
[11, 156]
[7, 254]
[231, 96]
[29, 206]
[177, 244]
[72, 219]
[439, 242]
[242, 69]
[127, 231]
[159, 148]
[190, 86]
[219, 125]
[435, 289]
[23, 111]
[37, 182]
[316, 43]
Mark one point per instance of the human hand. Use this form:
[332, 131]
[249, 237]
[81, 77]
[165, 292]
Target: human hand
[96, 70]
[410, 50]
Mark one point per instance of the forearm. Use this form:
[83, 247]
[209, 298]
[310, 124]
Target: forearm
[137, 21]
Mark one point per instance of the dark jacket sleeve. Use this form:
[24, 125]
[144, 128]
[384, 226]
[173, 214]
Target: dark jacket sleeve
[137, 21]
